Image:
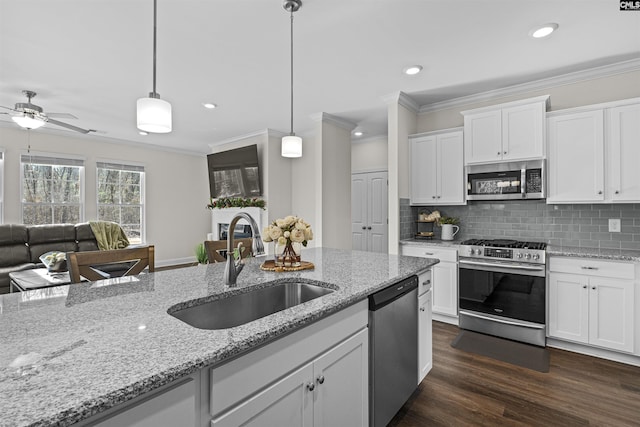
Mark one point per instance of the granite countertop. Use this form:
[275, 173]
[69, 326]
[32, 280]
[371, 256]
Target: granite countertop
[70, 352]
[454, 244]
[605, 254]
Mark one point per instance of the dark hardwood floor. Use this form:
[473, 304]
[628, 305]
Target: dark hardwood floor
[465, 389]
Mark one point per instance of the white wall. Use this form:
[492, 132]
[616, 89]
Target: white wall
[369, 154]
[305, 191]
[177, 185]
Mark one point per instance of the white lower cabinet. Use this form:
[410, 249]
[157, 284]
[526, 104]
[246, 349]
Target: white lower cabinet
[592, 302]
[316, 377]
[329, 391]
[425, 329]
[444, 279]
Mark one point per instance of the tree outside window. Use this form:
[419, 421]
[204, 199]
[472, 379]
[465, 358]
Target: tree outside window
[121, 197]
[51, 190]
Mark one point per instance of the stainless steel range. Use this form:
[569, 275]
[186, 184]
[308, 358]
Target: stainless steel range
[502, 289]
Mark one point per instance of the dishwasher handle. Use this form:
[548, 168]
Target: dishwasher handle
[392, 293]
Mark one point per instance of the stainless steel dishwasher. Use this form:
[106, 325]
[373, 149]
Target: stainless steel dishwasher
[393, 351]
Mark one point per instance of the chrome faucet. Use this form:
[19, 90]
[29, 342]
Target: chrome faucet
[234, 267]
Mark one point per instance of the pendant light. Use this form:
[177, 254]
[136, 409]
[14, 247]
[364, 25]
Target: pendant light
[154, 114]
[292, 144]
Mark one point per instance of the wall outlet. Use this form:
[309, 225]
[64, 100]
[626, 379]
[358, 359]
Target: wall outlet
[614, 225]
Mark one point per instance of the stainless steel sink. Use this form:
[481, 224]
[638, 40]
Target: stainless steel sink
[242, 308]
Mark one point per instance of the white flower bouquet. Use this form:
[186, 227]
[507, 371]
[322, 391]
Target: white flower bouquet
[288, 234]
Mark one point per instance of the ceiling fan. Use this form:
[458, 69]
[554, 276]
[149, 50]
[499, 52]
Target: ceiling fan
[31, 116]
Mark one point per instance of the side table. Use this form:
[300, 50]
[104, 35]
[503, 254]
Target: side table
[36, 278]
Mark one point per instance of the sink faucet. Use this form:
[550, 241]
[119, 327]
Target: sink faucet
[234, 267]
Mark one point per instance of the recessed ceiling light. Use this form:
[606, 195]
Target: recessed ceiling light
[209, 105]
[358, 133]
[543, 30]
[143, 133]
[412, 70]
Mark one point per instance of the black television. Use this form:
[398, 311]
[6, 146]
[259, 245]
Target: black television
[235, 173]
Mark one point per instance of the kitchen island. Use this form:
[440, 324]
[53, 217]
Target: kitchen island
[71, 352]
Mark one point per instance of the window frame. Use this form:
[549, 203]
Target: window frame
[57, 159]
[127, 166]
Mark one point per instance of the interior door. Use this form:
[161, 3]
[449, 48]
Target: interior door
[359, 212]
[369, 211]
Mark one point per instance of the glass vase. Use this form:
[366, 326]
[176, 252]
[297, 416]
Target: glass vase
[287, 255]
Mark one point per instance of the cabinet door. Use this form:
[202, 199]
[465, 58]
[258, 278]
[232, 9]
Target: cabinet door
[611, 318]
[569, 307]
[450, 169]
[423, 170]
[425, 336]
[342, 384]
[288, 402]
[623, 141]
[483, 137]
[523, 131]
[576, 157]
[445, 288]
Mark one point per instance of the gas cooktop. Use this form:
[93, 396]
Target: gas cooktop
[503, 249]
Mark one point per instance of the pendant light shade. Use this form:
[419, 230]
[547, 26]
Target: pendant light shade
[27, 121]
[154, 114]
[291, 144]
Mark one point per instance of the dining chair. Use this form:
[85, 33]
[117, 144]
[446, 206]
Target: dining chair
[217, 249]
[87, 263]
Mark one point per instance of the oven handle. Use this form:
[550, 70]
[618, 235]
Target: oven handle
[506, 322]
[513, 267]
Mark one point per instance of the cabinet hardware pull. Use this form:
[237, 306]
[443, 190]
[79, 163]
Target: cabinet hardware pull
[364, 228]
[433, 197]
[311, 386]
[617, 192]
[320, 379]
[498, 153]
[584, 287]
[600, 192]
[426, 282]
[428, 253]
[586, 267]
[421, 308]
[504, 152]
[368, 228]
[594, 288]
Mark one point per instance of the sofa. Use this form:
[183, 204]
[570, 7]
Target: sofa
[22, 245]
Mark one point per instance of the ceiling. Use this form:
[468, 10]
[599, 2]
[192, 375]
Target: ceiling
[93, 58]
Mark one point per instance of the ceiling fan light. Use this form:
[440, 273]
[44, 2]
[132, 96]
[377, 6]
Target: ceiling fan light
[27, 121]
[291, 146]
[154, 115]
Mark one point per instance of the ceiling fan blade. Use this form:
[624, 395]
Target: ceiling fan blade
[68, 126]
[62, 115]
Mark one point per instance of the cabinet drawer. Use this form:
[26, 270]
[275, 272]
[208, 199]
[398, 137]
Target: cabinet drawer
[592, 267]
[442, 254]
[424, 282]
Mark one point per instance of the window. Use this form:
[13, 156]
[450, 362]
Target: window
[52, 189]
[121, 197]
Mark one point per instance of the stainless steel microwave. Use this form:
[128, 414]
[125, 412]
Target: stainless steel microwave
[506, 181]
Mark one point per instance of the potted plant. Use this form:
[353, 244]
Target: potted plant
[201, 254]
[448, 223]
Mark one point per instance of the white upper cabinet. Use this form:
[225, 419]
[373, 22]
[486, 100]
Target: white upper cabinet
[505, 132]
[594, 153]
[437, 172]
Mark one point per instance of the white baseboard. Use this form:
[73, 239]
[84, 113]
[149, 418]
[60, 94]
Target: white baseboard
[602, 353]
[452, 320]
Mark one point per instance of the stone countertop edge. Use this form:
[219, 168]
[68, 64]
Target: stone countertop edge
[596, 253]
[51, 391]
[454, 244]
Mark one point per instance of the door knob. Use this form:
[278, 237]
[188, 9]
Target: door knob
[320, 379]
[368, 228]
[364, 228]
[311, 386]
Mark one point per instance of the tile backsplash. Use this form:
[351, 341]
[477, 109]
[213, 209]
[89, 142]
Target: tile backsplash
[580, 225]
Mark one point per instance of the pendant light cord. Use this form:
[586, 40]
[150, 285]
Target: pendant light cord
[292, 72]
[154, 47]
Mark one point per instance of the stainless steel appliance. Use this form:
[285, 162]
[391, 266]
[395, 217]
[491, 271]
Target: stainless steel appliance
[502, 289]
[393, 353]
[506, 181]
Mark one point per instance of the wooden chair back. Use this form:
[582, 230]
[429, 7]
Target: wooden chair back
[215, 247]
[86, 263]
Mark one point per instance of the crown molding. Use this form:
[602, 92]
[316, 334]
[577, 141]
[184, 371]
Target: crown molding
[563, 79]
[266, 132]
[374, 138]
[403, 99]
[334, 120]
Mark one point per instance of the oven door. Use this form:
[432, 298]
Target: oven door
[501, 298]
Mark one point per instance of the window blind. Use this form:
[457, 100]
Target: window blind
[120, 166]
[45, 160]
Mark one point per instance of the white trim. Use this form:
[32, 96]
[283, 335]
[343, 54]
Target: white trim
[365, 171]
[437, 132]
[50, 154]
[602, 353]
[563, 79]
[119, 162]
[266, 132]
[601, 106]
[408, 102]
[334, 120]
[374, 138]
[543, 98]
